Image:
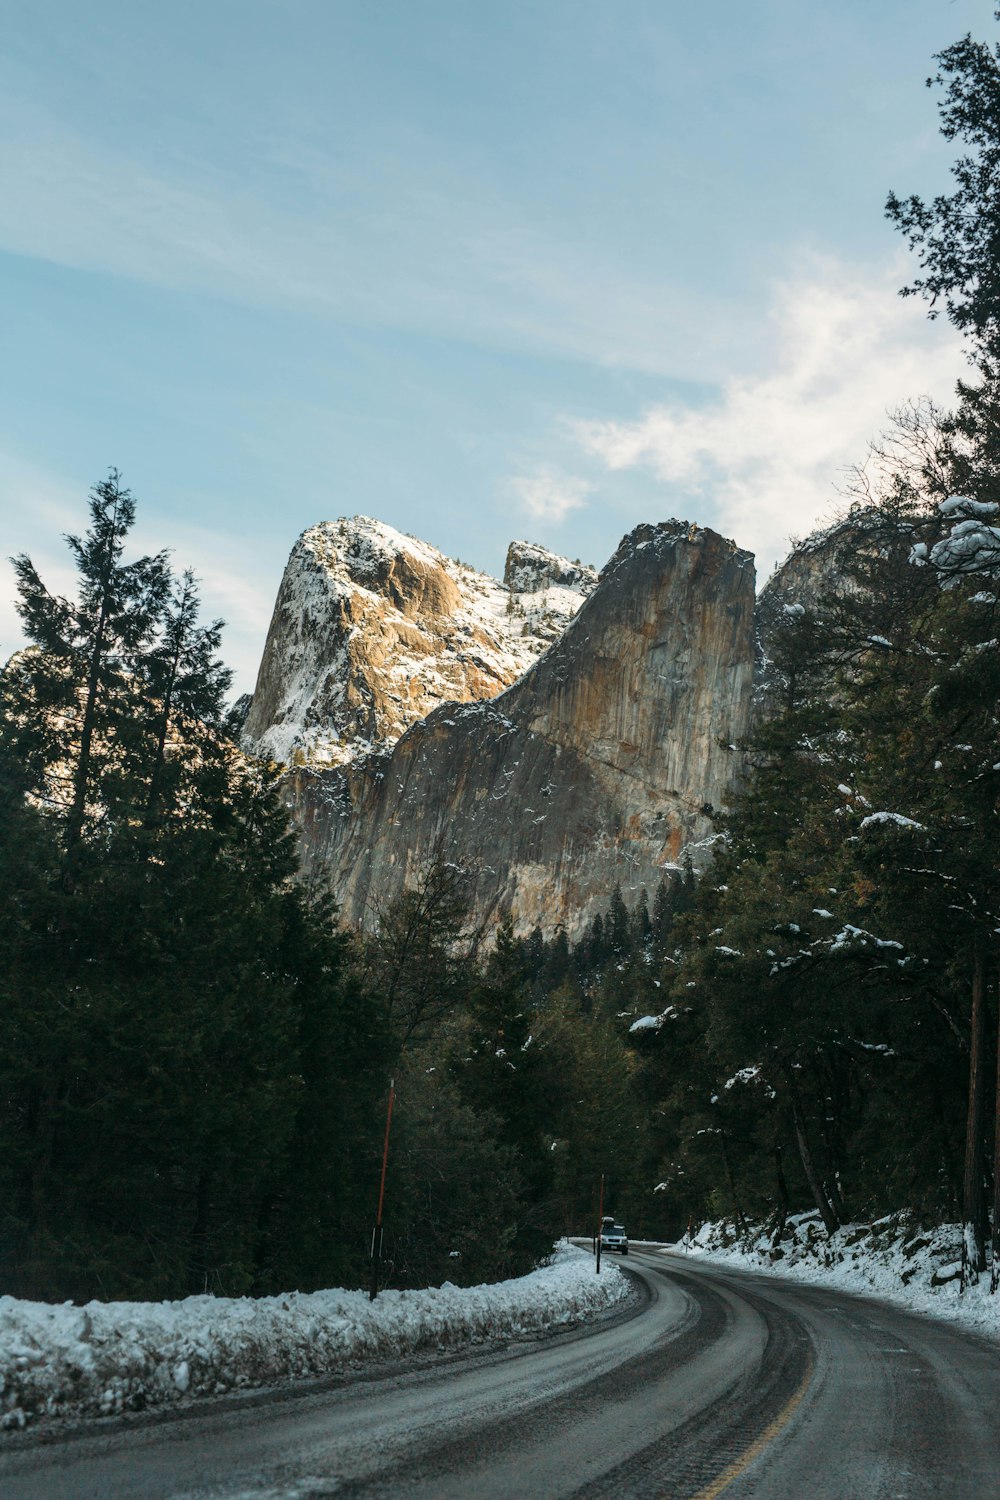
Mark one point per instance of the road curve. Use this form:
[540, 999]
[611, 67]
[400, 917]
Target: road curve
[720, 1383]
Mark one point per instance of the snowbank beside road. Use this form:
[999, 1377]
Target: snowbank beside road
[110, 1357]
[895, 1259]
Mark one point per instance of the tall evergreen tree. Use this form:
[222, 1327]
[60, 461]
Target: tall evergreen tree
[957, 237]
[85, 676]
[181, 1024]
[185, 685]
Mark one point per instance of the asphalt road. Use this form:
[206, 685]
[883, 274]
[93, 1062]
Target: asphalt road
[715, 1383]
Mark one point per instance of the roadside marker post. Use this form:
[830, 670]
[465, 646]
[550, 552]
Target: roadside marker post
[377, 1231]
[600, 1223]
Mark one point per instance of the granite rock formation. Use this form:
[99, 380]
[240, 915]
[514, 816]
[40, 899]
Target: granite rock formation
[372, 630]
[816, 573]
[531, 569]
[593, 769]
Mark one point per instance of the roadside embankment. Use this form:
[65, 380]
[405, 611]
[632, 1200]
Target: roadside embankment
[109, 1357]
[895, 1258]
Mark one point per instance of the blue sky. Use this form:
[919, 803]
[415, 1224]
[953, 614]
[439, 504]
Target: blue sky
[478, 268]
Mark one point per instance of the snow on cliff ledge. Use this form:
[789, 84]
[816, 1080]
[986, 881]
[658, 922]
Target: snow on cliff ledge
[372, 629]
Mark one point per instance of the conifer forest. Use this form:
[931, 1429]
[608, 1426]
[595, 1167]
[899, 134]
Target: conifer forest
[197, 1052]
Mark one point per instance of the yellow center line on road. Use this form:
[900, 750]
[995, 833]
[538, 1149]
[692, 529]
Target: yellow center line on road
[741, 1464]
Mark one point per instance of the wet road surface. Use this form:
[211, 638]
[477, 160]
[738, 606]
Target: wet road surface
[715, 1383]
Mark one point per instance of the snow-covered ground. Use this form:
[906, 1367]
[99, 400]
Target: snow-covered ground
[895, 1259]
[110, 1357]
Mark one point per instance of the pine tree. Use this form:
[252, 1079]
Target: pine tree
[421, 951]
[617, 926]
[84, 677]
[663, 918]
[185, 684]
[642, 927]
[500, 1067]
[956, 237]
[182, 1024]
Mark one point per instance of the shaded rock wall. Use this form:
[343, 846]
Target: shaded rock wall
[814, 575]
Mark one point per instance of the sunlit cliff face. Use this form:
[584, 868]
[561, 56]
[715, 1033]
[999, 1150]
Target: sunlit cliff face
[372, 630]
[593, 769]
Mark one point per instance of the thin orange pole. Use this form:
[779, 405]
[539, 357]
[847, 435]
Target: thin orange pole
[377, 1231]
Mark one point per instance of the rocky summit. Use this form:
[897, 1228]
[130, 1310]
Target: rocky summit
[373, 629]
[601, 761]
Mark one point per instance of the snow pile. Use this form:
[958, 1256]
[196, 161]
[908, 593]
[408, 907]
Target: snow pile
[894, 1258]
[110, 1357]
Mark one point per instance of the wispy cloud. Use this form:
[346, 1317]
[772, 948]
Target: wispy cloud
[548, 496]
[452, 254]
[762, 461]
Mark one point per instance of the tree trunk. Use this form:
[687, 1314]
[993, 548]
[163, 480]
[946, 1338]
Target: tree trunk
[156, 775]
[973, 1196]
[740, 1220]
[95, 666]
[198, 1267]
[781, 1213]
[995, 1272]
[833, 1097]
[81, 778]
[826, 1209]
[45, 1111]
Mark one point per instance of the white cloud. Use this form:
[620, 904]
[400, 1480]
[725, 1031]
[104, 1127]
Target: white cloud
[549, 496]
[762, 461]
